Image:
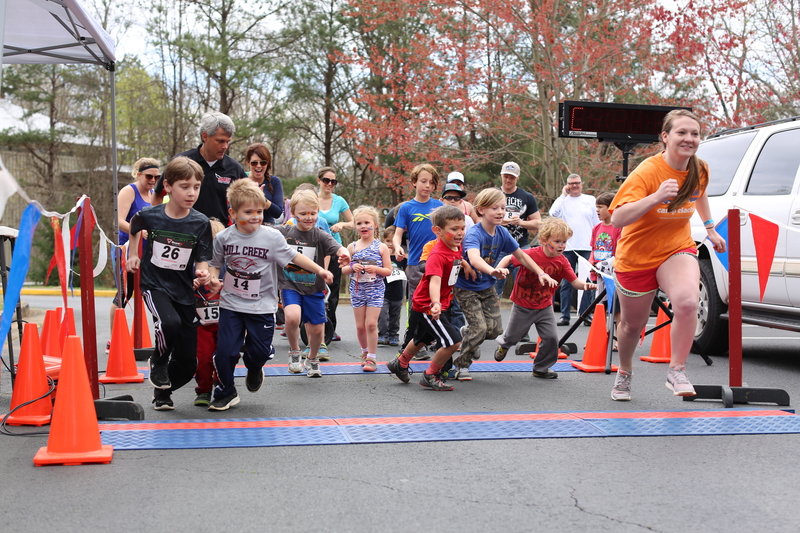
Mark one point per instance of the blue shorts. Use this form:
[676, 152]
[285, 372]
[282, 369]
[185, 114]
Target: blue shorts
[312, 306]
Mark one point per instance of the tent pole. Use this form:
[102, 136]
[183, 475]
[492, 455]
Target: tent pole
[115, 180]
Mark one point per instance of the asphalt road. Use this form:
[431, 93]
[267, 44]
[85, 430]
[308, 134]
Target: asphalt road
[707, 483]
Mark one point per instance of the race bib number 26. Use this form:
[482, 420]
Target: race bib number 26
[172, 252]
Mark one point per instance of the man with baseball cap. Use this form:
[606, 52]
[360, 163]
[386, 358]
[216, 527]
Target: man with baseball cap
[457, 178]
[522, 211]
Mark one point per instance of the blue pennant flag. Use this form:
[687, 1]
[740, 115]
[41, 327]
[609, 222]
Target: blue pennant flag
[722, 229]
[20, 262]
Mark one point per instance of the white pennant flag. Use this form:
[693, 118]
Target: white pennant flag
[8, 187]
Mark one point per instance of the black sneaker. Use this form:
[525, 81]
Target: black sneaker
[159, 373]
[547, 374]
[223, 404]
[162, 400]
[434, 382]
[396, 369]
[254, 379]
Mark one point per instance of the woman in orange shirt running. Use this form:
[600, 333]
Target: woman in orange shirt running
[656, 248]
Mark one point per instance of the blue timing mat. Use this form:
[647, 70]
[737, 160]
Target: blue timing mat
[272, 369]
[239, 433]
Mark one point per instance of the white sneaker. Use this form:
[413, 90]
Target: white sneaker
[462, 374]
[295, 365]
[678, 383]
[621, 391]
[312, 368]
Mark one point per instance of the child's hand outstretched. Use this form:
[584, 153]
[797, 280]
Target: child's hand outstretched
[590, 286]
[326, 275]
[344, 260]
[499, 273]
[546, 280]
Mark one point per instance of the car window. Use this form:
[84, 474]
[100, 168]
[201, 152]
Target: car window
[723, 155]
[776, 168]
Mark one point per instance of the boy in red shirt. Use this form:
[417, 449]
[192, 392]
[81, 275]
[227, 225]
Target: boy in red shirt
[426, 321]
[533, 302]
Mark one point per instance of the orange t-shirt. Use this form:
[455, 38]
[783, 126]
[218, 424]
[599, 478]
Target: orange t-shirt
[658, 234]
[426, 250]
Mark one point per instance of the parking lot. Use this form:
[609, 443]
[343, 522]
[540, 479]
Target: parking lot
[664, 483]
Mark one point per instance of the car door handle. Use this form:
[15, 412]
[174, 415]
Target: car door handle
[796, 217]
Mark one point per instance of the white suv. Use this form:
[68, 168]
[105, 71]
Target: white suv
[757, 170]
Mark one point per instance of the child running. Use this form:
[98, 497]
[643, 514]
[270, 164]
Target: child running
[533, 300]
[432, 297]
[369, 265]
[207, 309]
[301, 290]
[250, 253]
[173, 264]
[484, 245]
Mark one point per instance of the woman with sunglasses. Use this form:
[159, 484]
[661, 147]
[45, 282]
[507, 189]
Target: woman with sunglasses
[336, 212]
[130, 200]
[259, 160]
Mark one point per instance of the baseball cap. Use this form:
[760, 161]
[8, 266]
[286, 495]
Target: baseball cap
[455, 176]
[453, 187]
[510, 168]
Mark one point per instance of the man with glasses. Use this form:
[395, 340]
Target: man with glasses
[522, 212]
[219, 169]
[579, 211]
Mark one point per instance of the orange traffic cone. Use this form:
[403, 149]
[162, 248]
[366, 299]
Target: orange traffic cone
[121, 366]
[661, 347]
[50, 327]
[74, 432]
[147, 342]
[561, 354]
[67, 326]
[596, 349]
[31, 383]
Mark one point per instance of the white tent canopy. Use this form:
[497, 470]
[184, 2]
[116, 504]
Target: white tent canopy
[53, 31]
[59, 31]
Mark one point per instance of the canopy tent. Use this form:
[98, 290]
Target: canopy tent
[59, 31]
[54, 31]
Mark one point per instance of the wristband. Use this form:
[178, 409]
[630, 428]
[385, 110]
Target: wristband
[709, 223]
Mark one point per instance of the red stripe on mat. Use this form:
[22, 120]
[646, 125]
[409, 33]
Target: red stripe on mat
[431, 419]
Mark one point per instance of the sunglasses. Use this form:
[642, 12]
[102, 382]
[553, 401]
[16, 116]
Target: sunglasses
[258, 163]
[451, 198]
[152, 176]
[328, 181]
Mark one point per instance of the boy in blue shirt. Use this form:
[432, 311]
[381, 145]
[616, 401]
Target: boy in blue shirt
[413, 218]
[485, 244]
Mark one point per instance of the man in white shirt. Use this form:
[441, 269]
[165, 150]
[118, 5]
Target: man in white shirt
[579, 211]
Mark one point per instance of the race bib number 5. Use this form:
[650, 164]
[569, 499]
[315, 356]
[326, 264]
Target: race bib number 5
[172, 251]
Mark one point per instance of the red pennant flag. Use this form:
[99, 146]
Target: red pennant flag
[765, 238]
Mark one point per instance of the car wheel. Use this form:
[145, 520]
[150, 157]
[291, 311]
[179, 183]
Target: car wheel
[711, 334]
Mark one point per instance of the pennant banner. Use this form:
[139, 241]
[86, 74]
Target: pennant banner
[20, 263]
[765, 239]
[722, 229]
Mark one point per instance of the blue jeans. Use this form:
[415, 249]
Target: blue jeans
[565, 291]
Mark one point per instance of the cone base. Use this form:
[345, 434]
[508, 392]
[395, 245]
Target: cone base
[592, 368]
[654, 359]
[103, 455]
[138, 378]
[562, 355]
[28, 420]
